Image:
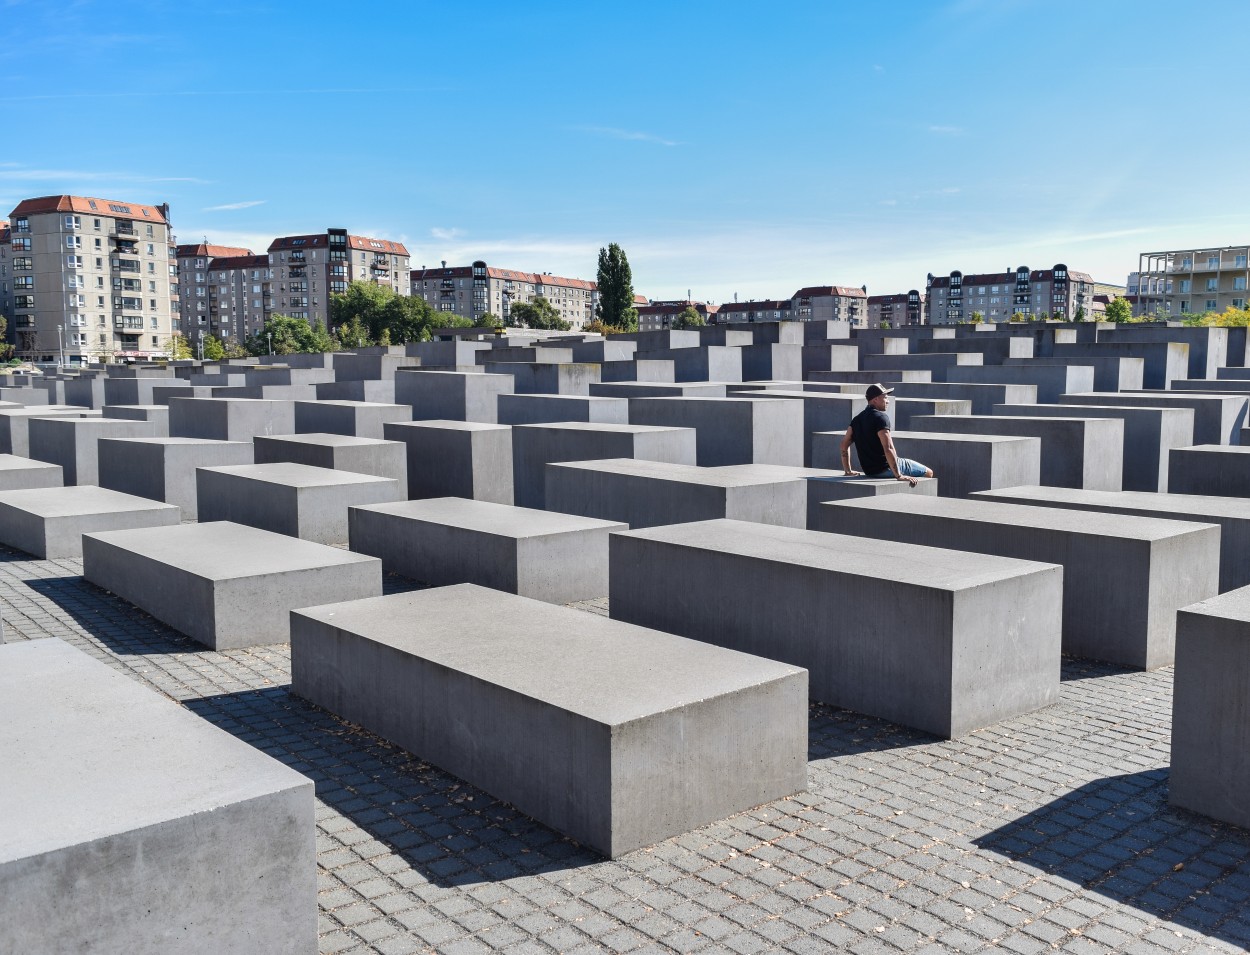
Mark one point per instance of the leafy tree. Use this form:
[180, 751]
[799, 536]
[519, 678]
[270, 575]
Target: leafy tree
[179, 348]
[213, 349]
[885, 323]
[354, 333]
[977, 318]
[487, 320]
[290, 336]
[1119, 310]
[689, 318]
[409, 319]
[539, 313]
[616, 289]
[363, 302]
[455, 321]
[1080, 314]
[234, 350]
[596, 327]
[1229, 318]
[1019, 317]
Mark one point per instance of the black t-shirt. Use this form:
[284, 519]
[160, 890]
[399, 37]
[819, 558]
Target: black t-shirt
[865, 427]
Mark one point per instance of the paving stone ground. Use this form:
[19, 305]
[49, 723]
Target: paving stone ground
[1048, 832]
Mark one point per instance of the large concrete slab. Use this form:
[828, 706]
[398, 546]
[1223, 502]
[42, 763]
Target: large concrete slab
[49, 522]
[456, 459]
[158, 415]
[647, 389]
[1218, 419]
[1051, 380]
[18, 473]
[1230, 513]
[361, 419]
[1124, 576]
[542, 409]
[536, 446]
[133, 825]
[1210, 469]
[225, 585]
[981, 396]
[163, 469]
[554, 557]
[650, 493]
[1210, 770]
[450, 395]
[295, 499]
[230, 419]
[615, 735]
[72, 443]
[731, 430]
[341, 452]
[848, 609]
[1076, 452]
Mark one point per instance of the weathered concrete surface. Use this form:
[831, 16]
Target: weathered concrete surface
[450, 395]
[617, 735]
[730, 430]
[49, 522]
[1210, 469]
[1218, 419]
[456, 459]
[361, 419]
[73, 443]
[163, 469]
[18, 473]
[341, 452]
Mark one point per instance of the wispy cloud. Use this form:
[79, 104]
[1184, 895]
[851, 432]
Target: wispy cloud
[157, 93]
[232, 206]
[946, 130]
[446, 235]
[12, 172]
[631, 135]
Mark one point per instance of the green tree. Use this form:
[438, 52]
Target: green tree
[977, 318]
[1080, 314]
[616, 289]
[179, 348]
[354, 333]
[539, 313]
[290, 336]
[1019, 317]
[213, 349]
[409, 319]
[689, 318]
[1119, 310]
[487, 320]
[363, 302]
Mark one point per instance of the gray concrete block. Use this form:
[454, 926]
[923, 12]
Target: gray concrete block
[382, 392]
[772, 361]
[1210, 469]
[163, 469]
[18, 473]
[451, 396]
[26, 395]
[731, 430]
[541, 409]
[295, 499]
[651, 493]
[15, 425]
[381, 458]
[158, 415]
[1124, 576]
[536, 446]
[646, 370]
[982, 397]
[650, 389]
[133, 825]
[73, 443]
[962, 463]
[1149, 434]
[1076, 452]
[1218, 419]
[547, 378]
[134, 391]
[1051, 380]
[616, 735]
[230, 419]
[1121, 373]
[225, 585]
[1210, 770]
[1230, 513]
[49, 522]
[558, 558]
[849, 610]
[456, 459]
[361, 419]
[704, 363]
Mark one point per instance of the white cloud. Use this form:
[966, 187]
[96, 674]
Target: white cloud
[232, 206]
[627, 134]
[446, 235]
[946, 130]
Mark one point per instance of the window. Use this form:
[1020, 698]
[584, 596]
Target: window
[1239, 303]
[1239, 282]
[154, 325]
[1187, 263]
[151, 247]
[1212, 305]
[1213, 261]
[1239, 262]
[155, 341]
[152, 268]
[1213, 285]
[73, 242]
[24, 281]
[23, 263]
[21, 245]
[1186, 286]
[23, 301]
[21, 224]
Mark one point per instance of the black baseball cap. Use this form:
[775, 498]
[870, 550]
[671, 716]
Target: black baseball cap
[876, 391]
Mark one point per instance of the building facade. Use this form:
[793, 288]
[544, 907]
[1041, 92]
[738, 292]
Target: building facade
[896, 310]
[470, 291]
[765, 310]
[194, 313]
[1190, 281]
[89, 279]
[657, 316]
[831, 303]
[305, 270]
[238, 296]
[1056, 292]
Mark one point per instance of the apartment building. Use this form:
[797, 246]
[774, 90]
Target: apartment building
[6, 274]
[89, 279]
[238, 296]
[896, 310]
[1190, 281]
[470, 291]
[657, 316]
[829, 303]
[305, 270]
[1056, 292]
[765, 310]
[194, 262]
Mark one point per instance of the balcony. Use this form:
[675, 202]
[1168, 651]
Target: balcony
[123, 228]
[124, 265]
[381, 265]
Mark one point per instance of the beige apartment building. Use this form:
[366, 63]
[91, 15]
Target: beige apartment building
[1190, 281]
[1055, 293]
[831, 303]
[305, 270]
[896, 310]
[471, 291]
[89, 279]
[657, 316]
[194, 312]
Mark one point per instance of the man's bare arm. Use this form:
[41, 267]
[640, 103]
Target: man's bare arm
[847, 440]
[891, 456]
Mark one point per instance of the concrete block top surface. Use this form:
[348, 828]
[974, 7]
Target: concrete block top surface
[1089, 523]
[448, 425]
[180, 441]
[1217, 448]
[222, 550]
[324, 439]
[15, 462]
[966, 438]
[89, 752]
[488, 518]
[295, 475]
[597, 426]
[345, 403]
[605, 670]
[1234, 605]
[78, 499]
[685, 473]
[915, 564]
[1197, 506]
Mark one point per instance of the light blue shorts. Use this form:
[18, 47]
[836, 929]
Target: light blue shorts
[906, 467]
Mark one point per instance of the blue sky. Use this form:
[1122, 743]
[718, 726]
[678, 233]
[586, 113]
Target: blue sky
[728, 147]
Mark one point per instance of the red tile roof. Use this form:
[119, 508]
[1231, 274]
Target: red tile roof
[321, 241]
[843, 291]
[248, 261]
[209, 250]
[505, 275]
[89, 206]
[766, 305]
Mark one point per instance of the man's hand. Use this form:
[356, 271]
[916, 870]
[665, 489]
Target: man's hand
[909, 480]
[852, 473]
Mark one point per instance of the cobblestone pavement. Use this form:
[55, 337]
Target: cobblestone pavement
[1048, 832]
